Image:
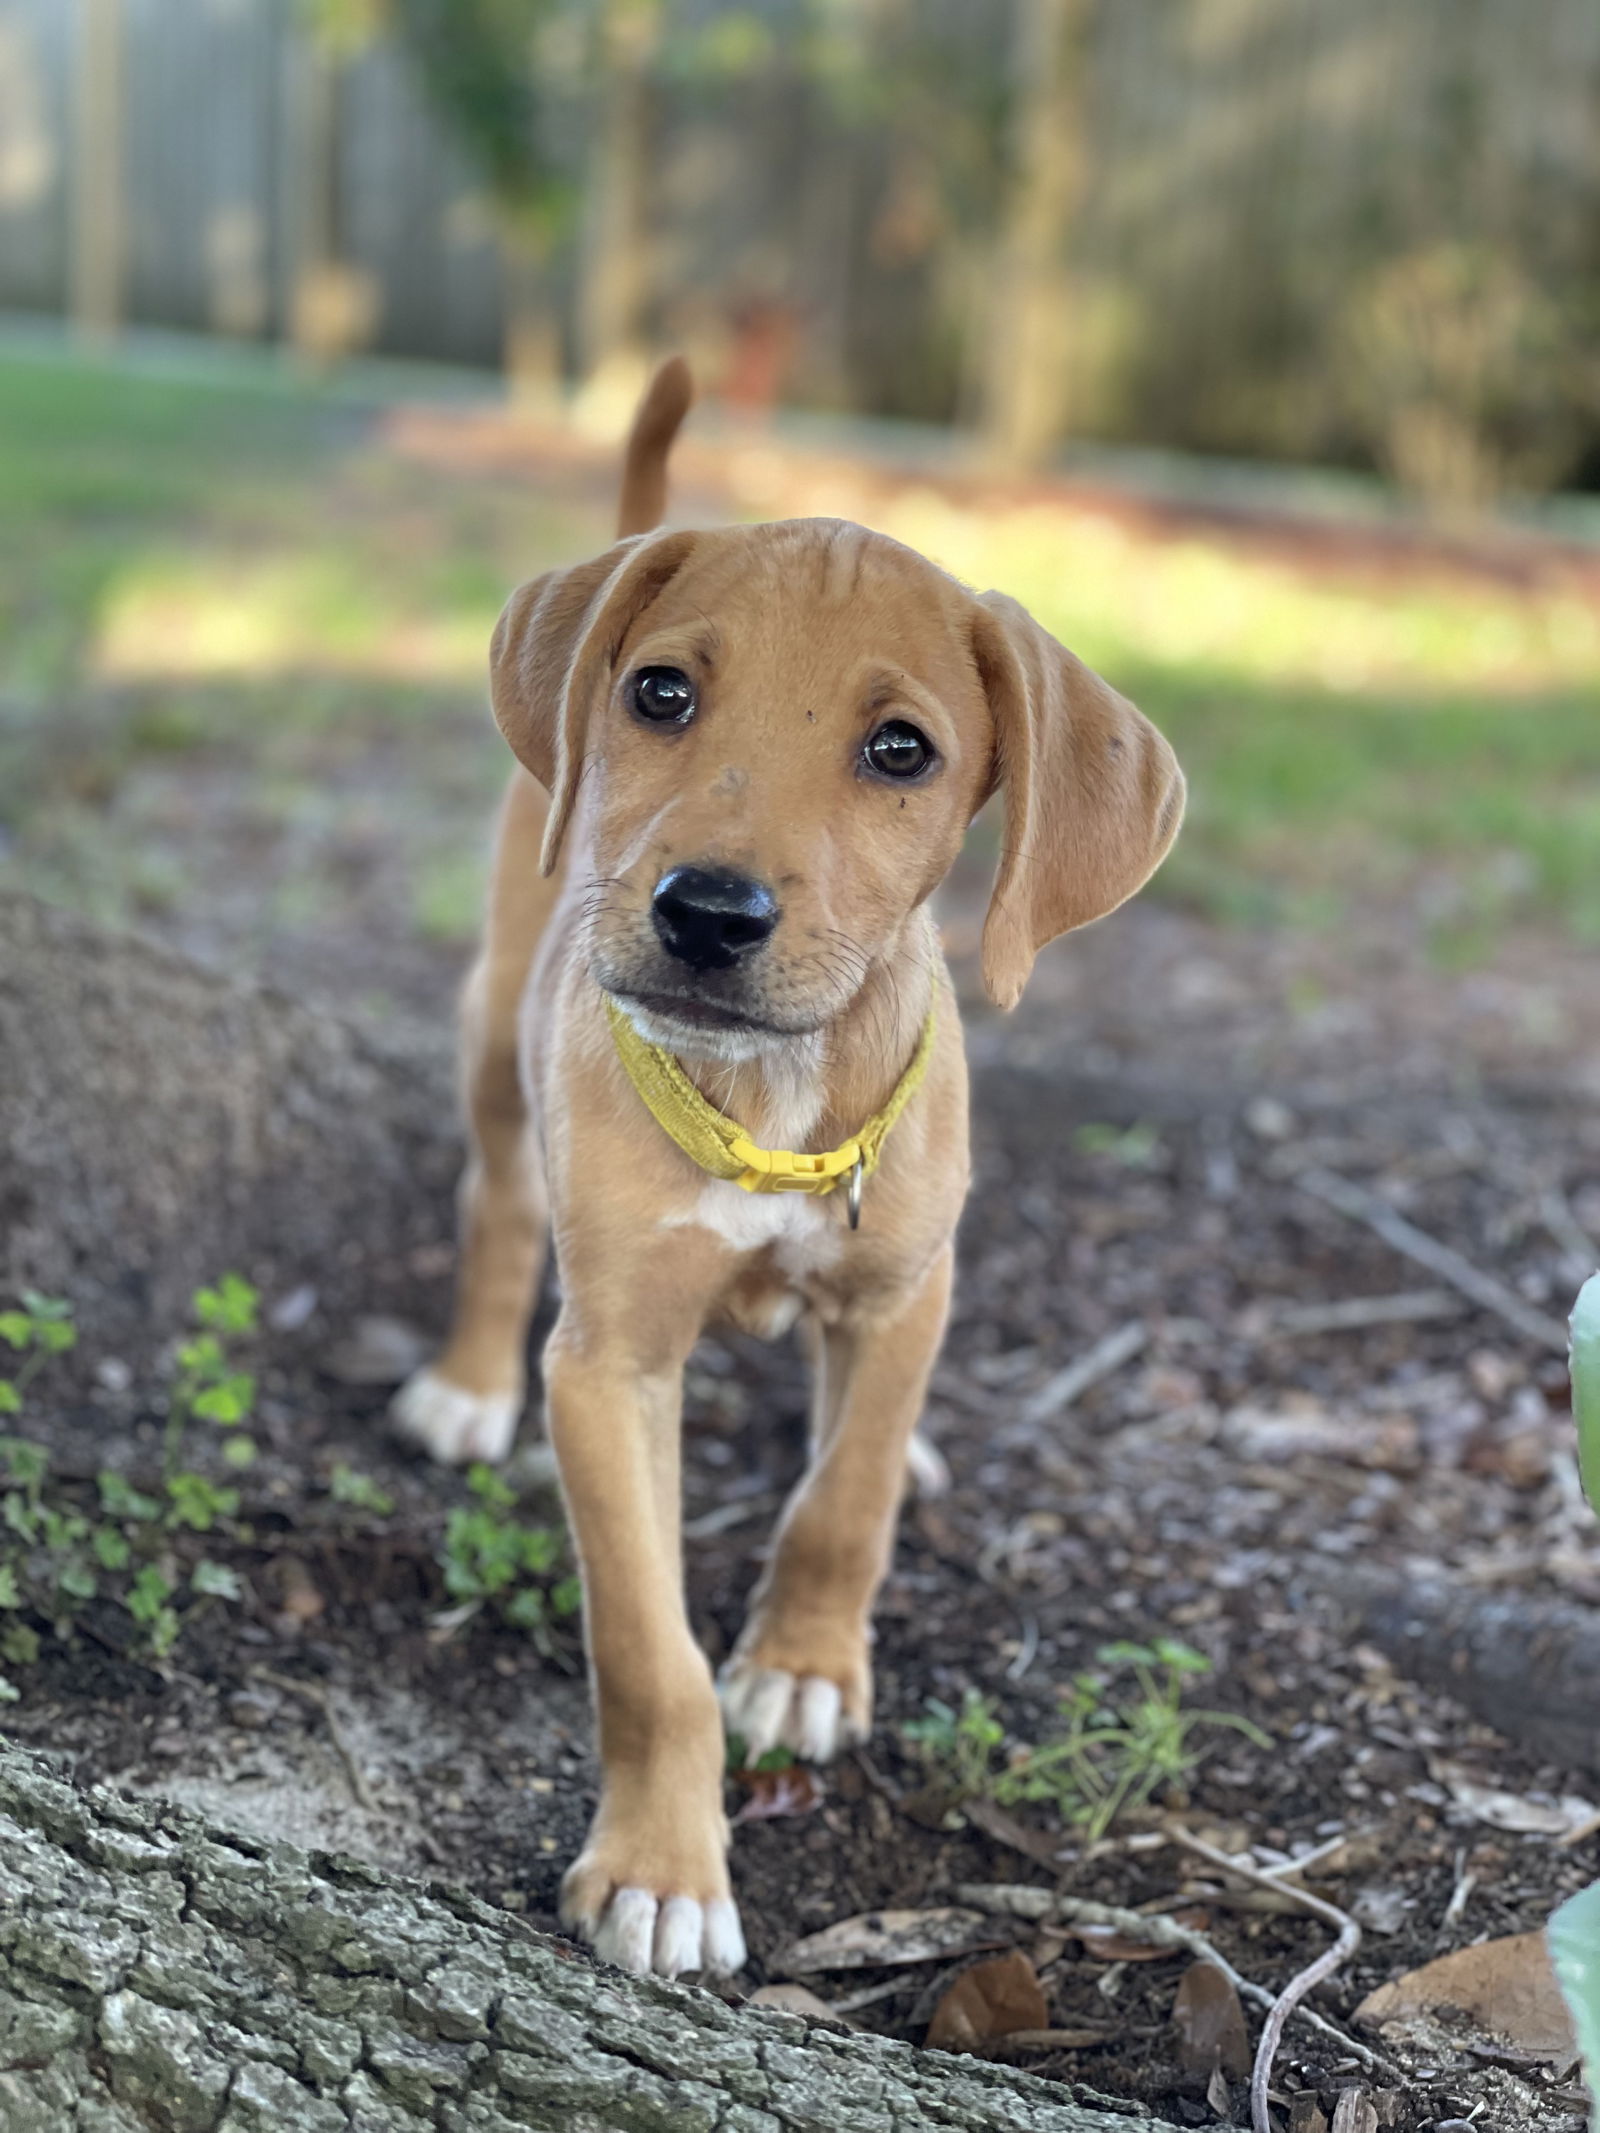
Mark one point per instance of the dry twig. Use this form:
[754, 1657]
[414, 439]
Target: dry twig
[1019, 1900]
[1298, 1986]
[1362, 1205]
[314, 1693]
[1057, 1393]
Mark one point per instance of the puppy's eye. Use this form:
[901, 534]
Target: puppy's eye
[898, 750]
[663, 695]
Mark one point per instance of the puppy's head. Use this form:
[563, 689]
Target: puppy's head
[777, 737]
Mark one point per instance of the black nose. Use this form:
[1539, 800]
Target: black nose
[710, 920]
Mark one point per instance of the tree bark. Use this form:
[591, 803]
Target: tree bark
[161, 1124]
[159, 1975]
[1024, 352]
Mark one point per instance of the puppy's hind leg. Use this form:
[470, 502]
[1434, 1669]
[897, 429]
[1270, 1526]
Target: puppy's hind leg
[467, 1404]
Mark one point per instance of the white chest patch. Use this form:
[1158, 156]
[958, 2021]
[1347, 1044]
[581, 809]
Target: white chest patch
[805, 1237]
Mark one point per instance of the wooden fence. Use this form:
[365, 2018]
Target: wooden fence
[1251, 171]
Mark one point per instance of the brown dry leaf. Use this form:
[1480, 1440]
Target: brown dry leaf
[1109, 1944]
[1210, 2023]
[797, 1999]
[877, 1938]
[992, 1999]
[795, 1790]
[1218, 2093]
[1505, 1985]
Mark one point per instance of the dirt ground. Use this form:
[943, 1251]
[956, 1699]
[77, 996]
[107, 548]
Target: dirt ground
[1219, 1485]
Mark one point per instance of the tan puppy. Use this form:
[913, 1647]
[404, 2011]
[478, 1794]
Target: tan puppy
[749, 757]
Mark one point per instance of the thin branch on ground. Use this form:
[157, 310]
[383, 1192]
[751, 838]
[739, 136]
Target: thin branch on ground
[1362, 1205]
[1156, 1930]
[313, 1692]
[1294, 1992]
[1057, 1393]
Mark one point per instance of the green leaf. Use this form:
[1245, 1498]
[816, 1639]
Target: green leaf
[216, 1581]
[240, 1451]
[228, 1401]
[1574, 1938]
[19, 1518]
[9, 1692]
[16, 1328]
[349, 1486]
[148, 1594]
[10, 1591]
[490, 1490]
[10, 1398]
[25, 1462]
[119, 1500]
[1584, 1327]
[46, 1307]
[110, 1547]
[78, 1581]
[54, 1337]
[230, 1306]
[19, 1645]
[199, 1503]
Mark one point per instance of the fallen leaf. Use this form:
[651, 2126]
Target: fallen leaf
[1507, 1986]
[992, 1999]
[1380, 1907]
[1210, 2024]
[1353, 2113]
[799, 2000]
[1218, 2093]
[794, 1790]
[884, 1938]
[1514, 1811]
[1109, 1944]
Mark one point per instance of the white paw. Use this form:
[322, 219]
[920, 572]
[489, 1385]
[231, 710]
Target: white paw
[668, 1935]
[451, 1424]
[927, 1468]
[769, 1708]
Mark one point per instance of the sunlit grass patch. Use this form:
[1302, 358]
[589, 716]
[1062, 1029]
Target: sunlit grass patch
[193, 616]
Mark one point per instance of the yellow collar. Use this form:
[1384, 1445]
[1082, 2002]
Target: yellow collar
[718, 1144]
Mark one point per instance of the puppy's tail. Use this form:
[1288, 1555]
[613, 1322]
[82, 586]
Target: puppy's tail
[667, 399]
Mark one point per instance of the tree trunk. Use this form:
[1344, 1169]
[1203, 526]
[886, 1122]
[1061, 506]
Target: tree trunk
[1024, 352]
[158, 1975]
[615, 291]
[161, 1124]
[98, 228]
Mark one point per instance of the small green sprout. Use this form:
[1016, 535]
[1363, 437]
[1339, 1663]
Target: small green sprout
[360, 1491]
[209, 1386]
[1106, 1755]
[490, 1559]
[41, 1328]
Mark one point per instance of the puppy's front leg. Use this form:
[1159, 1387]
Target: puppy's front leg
[650, 1888]
[801, 1673]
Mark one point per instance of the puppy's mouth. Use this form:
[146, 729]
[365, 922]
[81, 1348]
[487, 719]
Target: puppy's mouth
[691, 1012]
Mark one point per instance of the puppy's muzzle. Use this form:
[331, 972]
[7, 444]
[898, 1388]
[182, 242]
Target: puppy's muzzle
[712, 919]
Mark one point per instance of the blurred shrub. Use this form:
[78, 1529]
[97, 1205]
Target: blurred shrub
[1467, 379]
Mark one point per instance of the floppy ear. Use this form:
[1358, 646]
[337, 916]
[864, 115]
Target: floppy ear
[551, 657]
[1093, 794]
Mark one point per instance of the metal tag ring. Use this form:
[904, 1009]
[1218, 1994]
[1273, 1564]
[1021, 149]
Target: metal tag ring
[852, 1192]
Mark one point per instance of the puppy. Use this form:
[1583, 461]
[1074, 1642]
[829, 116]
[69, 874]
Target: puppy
[712, 1053]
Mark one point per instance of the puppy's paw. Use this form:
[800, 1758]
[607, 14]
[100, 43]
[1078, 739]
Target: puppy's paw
[451, 1424]
[643, 1930]
[811, 1714]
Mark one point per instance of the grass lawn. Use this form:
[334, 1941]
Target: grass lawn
[242, 646]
